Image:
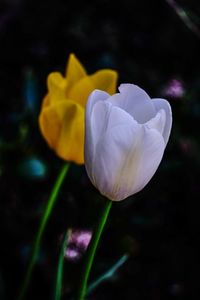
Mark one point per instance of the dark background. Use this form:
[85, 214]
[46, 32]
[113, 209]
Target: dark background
[159, 228]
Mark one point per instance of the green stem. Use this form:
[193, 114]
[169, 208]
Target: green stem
[92, 249]
[108, 274]
[59, 275]
[45, 217]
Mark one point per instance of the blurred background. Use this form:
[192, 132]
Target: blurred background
[150, 243]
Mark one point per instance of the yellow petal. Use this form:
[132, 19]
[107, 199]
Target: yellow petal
[45, 102]
[75, 70]
[56, 87]
[49, 126]
[81, 90]
[62, 125]
[105, 80]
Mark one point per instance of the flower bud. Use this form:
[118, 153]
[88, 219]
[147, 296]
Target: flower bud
[125, 138]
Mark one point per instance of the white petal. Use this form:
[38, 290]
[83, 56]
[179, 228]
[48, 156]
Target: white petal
[135, 101]
[151, 149]
[105, 115]
[126, 159]
[164, 104]
[99, 119]
[94, 97]
[158, 122]
[112, 171]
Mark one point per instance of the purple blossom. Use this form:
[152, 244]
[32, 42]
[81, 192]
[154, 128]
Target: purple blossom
[174, 89]
[77, 243]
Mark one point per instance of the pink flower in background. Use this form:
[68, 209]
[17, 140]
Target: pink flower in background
[72, 254]
[174, 89]
[77, 243]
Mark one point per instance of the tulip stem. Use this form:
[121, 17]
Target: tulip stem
[59, 273]
[92, 249]
[43, 222]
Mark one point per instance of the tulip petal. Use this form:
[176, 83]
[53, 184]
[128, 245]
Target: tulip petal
[109, 169]
[45, 102]
[94, 97]
[152, 147]
[105, 80]
[75, 70]
[56, 87]
[105, 116]
[62, 125]
[80, 91]
[164, 104]
[126, 159]
[158, 122]
[135, 101]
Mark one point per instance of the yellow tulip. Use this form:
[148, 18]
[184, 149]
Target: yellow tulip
[61, 118]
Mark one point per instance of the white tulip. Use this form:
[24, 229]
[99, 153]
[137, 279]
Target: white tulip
[125, 138]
